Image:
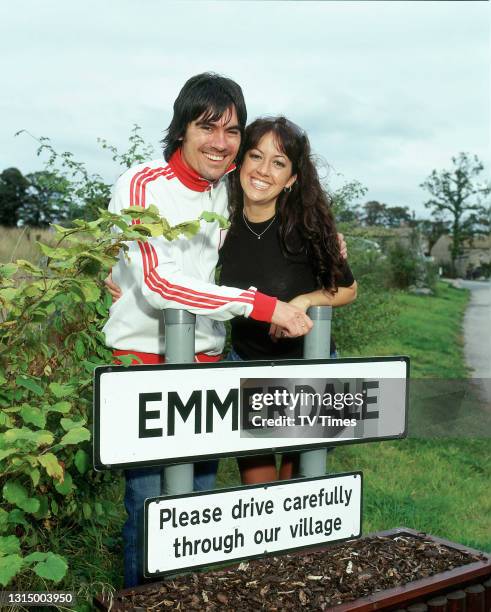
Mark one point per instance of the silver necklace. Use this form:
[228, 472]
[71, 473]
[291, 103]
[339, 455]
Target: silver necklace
[258, 236]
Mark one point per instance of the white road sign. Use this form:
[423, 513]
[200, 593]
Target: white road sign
[149, 415]
[197, 529]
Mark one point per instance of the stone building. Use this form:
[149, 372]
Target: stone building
[477, 251]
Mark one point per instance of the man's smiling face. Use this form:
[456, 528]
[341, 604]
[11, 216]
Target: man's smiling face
[209, 147]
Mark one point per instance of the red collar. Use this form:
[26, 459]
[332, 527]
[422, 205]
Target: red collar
[189, 177]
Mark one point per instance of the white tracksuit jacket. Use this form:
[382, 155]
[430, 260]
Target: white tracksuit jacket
[159, 274]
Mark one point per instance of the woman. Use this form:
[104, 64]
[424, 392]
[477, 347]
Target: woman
[283, 241]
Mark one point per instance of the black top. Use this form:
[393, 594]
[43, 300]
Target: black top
[251, 262]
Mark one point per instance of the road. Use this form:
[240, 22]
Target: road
[477, 334]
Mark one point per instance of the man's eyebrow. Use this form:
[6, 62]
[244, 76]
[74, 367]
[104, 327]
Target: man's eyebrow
[207, 122]
[214, 123]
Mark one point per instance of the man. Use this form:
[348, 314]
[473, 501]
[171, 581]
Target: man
[200, 147]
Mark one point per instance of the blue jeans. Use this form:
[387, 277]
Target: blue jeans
[141, 484]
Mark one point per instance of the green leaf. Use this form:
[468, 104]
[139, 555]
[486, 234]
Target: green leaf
[34, 475]
[60, 391]
[39, 437]
[33, 290]
[33, 415]
[69, 424]
[91, 291]
[188, 228]
[82, 461]
[54, 507]
[8, 294]
[35, 557]
[9, 545]
[5, 420]
[16, 494]
[17, 517]
[3, 520]
[210, 217]
[65, 487]
[76, 435]
[52, 466]
[62, 407]
[54, 568]
[31, 505]
[8, 269]
[9, 566]
[43, 511]
[27, 265]
[29, 384]
[53, 252]
[79, 348]
[86, 510]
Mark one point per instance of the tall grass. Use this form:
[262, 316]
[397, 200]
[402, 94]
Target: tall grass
[21, 243]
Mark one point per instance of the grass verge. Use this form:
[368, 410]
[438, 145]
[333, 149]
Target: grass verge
[439, 485]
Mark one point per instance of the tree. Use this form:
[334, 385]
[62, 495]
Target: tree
[67, 189]
[344, 202]
[13, 194]
[375, 213]
[457, 194]
[48, 200]
[432, 230]
[395, 216]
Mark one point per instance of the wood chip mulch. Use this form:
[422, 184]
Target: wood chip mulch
[311, 581]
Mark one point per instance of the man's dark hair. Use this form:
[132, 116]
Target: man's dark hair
[209, 95]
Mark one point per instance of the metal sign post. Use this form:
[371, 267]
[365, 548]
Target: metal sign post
[317, 345]
[179, 348]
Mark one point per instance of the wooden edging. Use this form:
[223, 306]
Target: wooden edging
[418, 589]
[382, 600]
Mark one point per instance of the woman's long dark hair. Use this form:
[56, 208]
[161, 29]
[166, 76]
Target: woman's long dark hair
[303, 213]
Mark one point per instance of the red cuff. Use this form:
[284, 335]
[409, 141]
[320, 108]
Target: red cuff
[263, 308]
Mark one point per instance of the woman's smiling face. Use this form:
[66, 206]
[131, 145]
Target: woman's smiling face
[265, 172]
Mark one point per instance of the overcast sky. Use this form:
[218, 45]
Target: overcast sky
[386, 90]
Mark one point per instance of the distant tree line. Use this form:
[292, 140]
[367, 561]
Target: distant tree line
[36, 199]
[64, 190]
[458, 202]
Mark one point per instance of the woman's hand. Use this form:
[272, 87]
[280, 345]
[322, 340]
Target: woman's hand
[114, 290]
[301, 301]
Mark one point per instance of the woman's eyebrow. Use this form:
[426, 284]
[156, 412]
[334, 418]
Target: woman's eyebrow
[282, 155]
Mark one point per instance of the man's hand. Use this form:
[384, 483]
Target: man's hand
[114, 290]
[291, 320]
[343, 249]
[300, 301]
